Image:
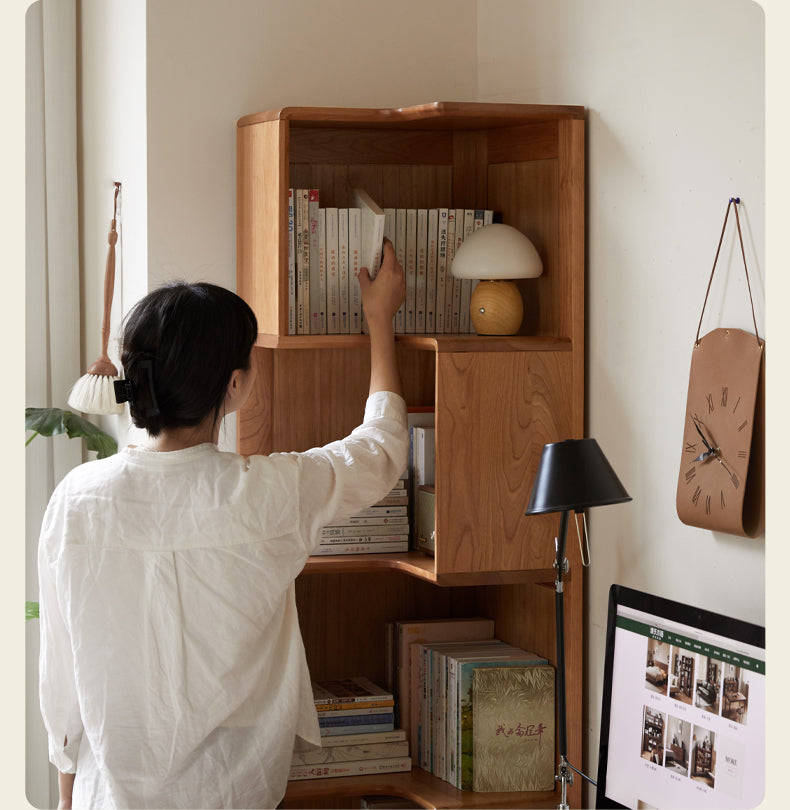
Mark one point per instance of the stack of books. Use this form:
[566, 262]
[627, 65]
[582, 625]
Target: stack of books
[353, 705]
[382, 528]
[356, 718]
[328, 246]
[354, 755]
[445, 708]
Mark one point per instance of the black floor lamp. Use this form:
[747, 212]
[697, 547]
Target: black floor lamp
[572, 476]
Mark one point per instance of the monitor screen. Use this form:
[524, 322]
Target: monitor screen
[683, 710]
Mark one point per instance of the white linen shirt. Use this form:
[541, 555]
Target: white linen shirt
[171, 661]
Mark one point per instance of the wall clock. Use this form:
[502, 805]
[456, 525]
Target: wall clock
[721, 468]
[721, 457]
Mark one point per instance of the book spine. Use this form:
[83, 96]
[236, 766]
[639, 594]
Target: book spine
[422, 269]
[448, 293]
[354, 254]
[431, 270]
[441, 270]
[341, 718]
[301, 323]
[315, 288]
[351, 753]
[332, 278]
[322, 270]
[367, 728]
[457, 282]
[466, 283]
[394, 521]
[358, 707]
[411, 270]
[360, 548]
[342, 275]
[394, 500]
[305, 291]
[452, 723]
[330, 532]
[360, 768]
[400, 254]
[418, 705]
[396, 735]
[379, 511]
[291, 265]
[389, 233]
[351, 536]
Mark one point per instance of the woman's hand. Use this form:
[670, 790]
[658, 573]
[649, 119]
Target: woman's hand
[382, 296]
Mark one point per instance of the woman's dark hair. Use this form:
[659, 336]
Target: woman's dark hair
[179, 346]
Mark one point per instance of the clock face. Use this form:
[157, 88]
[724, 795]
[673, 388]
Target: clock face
[718, 430]
[716, 446]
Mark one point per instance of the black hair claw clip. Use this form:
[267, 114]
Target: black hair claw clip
[123, 391]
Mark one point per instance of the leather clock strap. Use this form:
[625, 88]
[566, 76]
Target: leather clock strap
[734, 201]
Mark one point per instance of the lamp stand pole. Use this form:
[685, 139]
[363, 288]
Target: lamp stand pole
[564, 774]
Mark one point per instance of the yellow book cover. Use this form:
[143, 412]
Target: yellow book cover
[513, 728]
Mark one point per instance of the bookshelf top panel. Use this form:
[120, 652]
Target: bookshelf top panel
[437, 114]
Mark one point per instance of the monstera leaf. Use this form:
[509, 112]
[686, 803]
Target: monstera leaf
[52, 421]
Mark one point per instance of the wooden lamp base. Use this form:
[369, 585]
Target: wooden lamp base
[496, 308]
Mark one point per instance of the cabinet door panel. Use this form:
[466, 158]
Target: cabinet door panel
[494, 413]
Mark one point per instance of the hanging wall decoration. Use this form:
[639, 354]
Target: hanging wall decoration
[721, 479]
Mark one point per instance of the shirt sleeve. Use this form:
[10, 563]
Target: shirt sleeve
[349, 475]
[57, 689]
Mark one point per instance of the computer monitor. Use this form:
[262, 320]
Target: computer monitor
[683, 710]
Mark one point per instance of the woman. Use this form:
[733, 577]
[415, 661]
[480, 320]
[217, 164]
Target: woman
[172, 668]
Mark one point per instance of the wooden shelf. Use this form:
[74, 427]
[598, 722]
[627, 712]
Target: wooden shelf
[497, 400]
[417, 564]
[436, 343]
[417, 785]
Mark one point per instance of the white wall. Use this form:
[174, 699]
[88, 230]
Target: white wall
[210, 63]
[675, 93]
[113, 147]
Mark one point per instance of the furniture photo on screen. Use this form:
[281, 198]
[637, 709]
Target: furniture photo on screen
[703, 767]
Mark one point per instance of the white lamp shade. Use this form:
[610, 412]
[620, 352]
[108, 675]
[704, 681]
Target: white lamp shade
[498, 252]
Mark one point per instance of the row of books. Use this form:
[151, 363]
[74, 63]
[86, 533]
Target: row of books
[328, 246]
[356, 718]
[382, 528]
[473, 706]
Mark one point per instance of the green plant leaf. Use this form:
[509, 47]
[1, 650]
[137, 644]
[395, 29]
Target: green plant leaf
[31, 610]
[52, 421]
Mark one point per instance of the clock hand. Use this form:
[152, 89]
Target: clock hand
[702, 435]
[704, 456]
[729, 471]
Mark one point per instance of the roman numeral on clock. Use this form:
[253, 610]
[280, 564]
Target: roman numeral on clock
[690, 474]
[691, 447]
[724, 391]
[695, 497]
[711, 406]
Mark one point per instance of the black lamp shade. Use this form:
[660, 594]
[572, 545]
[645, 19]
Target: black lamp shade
[574, 475]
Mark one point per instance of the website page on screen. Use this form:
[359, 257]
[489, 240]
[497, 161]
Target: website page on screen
[687, 718]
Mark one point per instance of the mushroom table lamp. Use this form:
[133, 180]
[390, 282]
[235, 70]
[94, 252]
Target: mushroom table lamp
[496, 254]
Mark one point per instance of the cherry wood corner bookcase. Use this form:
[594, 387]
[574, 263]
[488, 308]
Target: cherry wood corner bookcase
[497, 400]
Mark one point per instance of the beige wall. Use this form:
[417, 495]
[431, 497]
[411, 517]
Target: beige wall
[675, 93]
